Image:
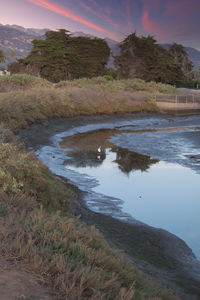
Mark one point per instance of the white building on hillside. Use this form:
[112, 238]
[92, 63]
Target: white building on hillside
[5, 72]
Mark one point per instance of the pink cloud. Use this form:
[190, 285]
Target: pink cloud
[71, 15]
[151, 26]
[98, 14]
[107, 10]
[155, 17]
[172, 20]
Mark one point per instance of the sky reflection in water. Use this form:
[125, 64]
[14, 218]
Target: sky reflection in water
[165, 196]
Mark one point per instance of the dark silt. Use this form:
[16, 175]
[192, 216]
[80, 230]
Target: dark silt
[139, 178]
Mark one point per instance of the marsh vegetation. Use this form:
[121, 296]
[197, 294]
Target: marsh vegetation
[36, 208]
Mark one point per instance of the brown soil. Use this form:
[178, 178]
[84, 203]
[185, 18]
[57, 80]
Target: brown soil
[17, 283]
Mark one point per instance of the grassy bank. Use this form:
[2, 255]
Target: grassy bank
[37, 224]
[29, 100]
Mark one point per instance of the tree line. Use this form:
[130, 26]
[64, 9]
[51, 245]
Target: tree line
[63, 57]
[142, 57]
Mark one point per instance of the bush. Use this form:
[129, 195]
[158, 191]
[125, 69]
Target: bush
[21, 82]
[111, 73]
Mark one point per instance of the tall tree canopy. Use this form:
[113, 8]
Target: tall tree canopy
[142, 57]
[61, 57]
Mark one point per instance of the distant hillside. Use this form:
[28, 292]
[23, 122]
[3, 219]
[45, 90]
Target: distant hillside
[31, 31]
[18, 39]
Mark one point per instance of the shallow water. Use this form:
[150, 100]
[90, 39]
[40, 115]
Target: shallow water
[159, 193]
[165, 196]
[138, 168]
[143, 167]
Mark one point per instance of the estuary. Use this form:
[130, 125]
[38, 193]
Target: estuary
[142, 171]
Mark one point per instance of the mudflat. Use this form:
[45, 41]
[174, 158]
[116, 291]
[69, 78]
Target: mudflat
[159, 254]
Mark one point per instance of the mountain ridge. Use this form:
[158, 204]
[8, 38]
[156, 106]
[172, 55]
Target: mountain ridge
[17, 39]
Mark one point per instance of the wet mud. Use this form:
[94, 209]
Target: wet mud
[160, 255]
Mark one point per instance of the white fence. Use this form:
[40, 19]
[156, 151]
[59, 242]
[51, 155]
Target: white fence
[178, 103]
[188, 99]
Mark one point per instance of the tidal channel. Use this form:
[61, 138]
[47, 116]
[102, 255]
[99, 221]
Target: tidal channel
[161, 194]
[139, 183]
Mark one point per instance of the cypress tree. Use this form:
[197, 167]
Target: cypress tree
[60, 57]
[142, 57]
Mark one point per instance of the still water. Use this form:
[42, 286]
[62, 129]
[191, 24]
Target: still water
[159, 193]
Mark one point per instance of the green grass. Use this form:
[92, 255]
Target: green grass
[37, 208]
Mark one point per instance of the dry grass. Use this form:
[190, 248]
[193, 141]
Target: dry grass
[72, 257]
[36, 209]
[21, 171]
[19, 109]
[25, 99]
[133, 85]
[21, 82]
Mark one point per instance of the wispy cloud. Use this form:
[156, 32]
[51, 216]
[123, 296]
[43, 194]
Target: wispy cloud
[153, 27]
[129, 16]
[182, 8]
[98, 14]
[172, 19]
[64, 11]
[107, 10]
[128, 11]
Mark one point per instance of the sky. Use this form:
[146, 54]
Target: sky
[167, 20]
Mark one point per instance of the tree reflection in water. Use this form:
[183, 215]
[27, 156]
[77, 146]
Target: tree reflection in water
[128, 161]
[83, 159]
[89, 150]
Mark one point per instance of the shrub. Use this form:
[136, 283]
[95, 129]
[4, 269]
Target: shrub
[21, 82]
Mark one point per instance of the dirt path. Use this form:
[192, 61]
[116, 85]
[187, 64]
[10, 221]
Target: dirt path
[17, 283]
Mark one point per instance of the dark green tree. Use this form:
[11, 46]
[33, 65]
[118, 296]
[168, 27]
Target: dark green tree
[60, 57]
[142, 57]
[193, 78]
[181, 57]
[50, 58]
[93, 55]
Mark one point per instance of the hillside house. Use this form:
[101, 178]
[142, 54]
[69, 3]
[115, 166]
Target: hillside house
[5, 72]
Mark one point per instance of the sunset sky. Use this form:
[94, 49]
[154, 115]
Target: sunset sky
[167, 20]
